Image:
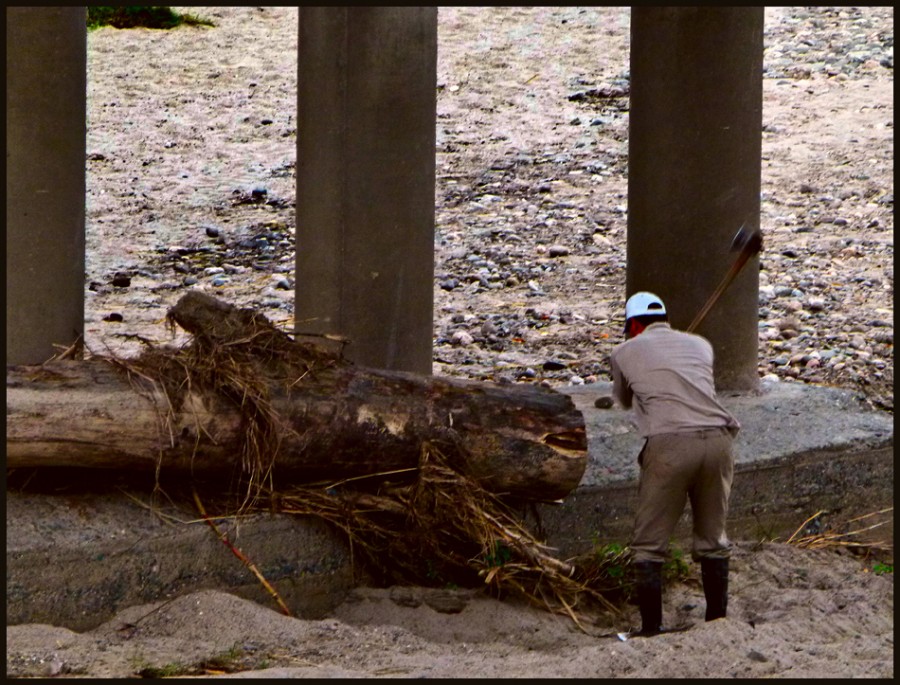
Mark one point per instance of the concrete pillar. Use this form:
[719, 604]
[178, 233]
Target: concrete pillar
[46, 81]
[695, 139]
[365, 181]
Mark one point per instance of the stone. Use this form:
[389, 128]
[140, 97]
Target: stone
[121, 280]
[462, 338]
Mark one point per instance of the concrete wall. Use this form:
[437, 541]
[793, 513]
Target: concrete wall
[365, 181]
[100, 552]
[695, 141]
[46, 81]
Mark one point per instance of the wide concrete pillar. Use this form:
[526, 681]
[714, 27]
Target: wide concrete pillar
[365, 181]
[46, 81]
[695, 138]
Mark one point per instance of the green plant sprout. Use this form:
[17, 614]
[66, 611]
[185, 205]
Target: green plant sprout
[498, 555]
[676, 568]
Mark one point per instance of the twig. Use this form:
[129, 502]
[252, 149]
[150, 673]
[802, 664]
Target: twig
[133, 625]
[820, 540]
[874, 513]
[73, 351]
[380, 474]
[240, 555]
[803, 525]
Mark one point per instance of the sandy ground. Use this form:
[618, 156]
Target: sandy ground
[181, 136]
[793, 613]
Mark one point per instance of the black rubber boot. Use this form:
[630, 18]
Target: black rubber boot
[648, 575]
[715, 587]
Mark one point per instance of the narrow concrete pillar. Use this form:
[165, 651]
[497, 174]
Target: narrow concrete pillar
[46, 81]
[365, 181]
[695, 139]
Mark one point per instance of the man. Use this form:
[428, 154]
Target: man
[666, 376]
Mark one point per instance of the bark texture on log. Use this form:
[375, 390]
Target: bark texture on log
[333, 421]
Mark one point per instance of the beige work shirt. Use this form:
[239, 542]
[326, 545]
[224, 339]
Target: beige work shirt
[666, 376]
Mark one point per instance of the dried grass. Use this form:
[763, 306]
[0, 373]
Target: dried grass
[236, 355]
[444, 528]
[858, 538]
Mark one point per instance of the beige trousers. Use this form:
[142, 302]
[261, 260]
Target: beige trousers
[675, 467]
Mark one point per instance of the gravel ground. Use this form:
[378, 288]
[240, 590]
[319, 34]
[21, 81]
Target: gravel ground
[532, 214]
[193, 187]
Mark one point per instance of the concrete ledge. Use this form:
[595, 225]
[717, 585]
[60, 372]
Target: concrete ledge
[781, 420]
[76, 560]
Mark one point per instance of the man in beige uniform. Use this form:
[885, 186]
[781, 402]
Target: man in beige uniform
[666, 376]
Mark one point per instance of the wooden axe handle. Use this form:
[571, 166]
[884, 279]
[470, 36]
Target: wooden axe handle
[742, 259]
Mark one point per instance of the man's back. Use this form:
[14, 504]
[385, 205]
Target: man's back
[667, 376]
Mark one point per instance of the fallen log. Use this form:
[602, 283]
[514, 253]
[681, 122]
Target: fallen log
[246, 397]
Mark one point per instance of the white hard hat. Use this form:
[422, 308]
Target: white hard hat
[643, 303]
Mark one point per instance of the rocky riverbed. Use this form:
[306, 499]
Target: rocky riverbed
[532, 212]
[192, 147]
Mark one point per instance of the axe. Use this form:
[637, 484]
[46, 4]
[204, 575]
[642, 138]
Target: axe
[746, 243]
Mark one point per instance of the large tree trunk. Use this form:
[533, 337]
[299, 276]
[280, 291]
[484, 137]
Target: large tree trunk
[331, 421]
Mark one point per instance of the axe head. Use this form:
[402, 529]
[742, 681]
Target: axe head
[747, 241]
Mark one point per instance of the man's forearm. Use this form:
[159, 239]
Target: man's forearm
[621, 390]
